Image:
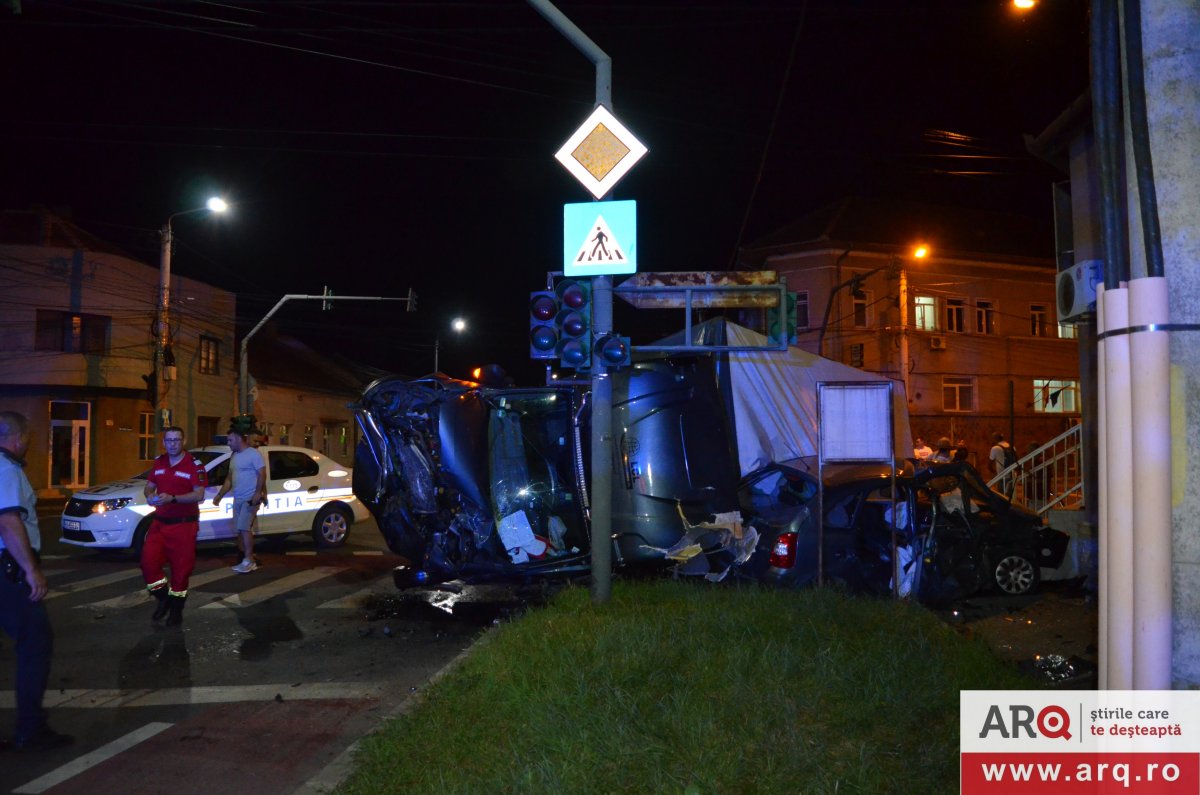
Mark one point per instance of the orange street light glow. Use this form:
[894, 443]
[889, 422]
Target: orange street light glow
[1024, 5]
[921, 252]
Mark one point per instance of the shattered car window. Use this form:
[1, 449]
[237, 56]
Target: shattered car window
[530, 467]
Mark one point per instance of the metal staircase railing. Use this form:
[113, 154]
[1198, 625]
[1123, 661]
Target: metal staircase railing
[1049, 477]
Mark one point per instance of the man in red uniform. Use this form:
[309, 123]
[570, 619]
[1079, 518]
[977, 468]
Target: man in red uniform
[175, 487]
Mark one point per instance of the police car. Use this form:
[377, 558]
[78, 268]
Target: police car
[306, 492]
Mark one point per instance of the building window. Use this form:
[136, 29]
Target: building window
[856, 355]
[925, 312]
[210, 355]
[147, 448]
[958, 393]
[308, 437]
[1037, 320]
[956, 310]
[802, 310]
[862, 309]
[283, 433]
[1067, 331]
[1052, 396]
[344, 440]
[71, 332]
[985, 317]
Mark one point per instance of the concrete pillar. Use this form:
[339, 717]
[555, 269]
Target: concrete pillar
[1171, 45]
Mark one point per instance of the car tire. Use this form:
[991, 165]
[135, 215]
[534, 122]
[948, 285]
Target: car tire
[331, 526]
[1016, 572]
[139, 535]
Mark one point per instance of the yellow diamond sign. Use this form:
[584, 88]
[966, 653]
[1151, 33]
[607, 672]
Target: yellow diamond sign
[600, 152]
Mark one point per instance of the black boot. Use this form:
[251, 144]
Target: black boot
[161, 610]
[175, 605]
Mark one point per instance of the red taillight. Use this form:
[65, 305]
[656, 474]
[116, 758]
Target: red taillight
[783, 556]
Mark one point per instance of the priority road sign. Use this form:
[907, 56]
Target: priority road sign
[600, 152]
[600, 238]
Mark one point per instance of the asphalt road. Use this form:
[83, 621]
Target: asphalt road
[271, 677]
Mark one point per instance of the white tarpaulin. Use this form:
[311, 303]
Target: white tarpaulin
[774, 396]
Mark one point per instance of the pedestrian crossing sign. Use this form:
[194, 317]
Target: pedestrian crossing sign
[600, 238]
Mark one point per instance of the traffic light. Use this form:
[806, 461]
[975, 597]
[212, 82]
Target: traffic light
[574, 322]
[613, 350]
[781, 320]
[543, 335]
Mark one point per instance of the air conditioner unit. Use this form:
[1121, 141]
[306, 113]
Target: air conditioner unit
[1076, 290]
[937, 343]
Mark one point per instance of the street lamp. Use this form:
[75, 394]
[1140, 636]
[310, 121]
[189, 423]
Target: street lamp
[458, 326]
[164, 357]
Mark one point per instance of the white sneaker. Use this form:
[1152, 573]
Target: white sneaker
[246, 566]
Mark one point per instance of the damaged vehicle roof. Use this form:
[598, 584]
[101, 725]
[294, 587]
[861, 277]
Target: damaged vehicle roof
[473, 482]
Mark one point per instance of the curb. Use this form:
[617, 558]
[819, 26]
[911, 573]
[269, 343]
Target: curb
[337, 771]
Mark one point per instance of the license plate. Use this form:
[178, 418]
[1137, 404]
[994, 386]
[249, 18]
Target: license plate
[68, 524]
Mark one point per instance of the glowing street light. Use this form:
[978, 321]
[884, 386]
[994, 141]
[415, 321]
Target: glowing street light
[921, 251]
[458, 325]
[1024, 5]
[164, 357]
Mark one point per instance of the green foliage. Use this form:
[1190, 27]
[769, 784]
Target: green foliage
[687, 688]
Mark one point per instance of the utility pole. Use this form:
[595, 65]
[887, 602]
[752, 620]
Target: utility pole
[243, 364]
[602, 441]
[164, 357]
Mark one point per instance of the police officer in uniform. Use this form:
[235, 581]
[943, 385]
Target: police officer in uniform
[175, 487]
[22, 589]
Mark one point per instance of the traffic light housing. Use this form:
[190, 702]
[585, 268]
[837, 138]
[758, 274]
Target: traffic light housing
[781, 320]
[543, 333]
[613, 350]
[574, 323]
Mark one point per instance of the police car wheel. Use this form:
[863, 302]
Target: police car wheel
[331, 526]
[139, 535]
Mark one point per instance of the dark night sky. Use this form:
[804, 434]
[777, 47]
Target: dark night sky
[373, 146]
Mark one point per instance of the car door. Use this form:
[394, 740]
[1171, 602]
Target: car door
[294, 491]
[216, 521]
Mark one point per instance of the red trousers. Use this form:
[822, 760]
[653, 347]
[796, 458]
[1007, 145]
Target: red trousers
[173, 544]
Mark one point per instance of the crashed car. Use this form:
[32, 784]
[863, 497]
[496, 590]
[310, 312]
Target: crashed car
[474, 483]
[954, 535]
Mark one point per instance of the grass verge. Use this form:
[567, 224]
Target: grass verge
[683, 687]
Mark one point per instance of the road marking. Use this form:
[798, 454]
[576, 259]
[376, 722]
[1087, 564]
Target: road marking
[141, 597]
[308, 553]
[94, 582]
[382, 585]
[215, 694]
[274, 588]
[89, 760]
[368, 552]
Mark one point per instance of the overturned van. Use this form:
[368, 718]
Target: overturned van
[477, 483]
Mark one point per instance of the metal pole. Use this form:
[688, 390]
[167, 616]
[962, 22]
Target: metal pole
[602, 453]
[904, 366]
[164, 321]
[437, 342]
[244, 359]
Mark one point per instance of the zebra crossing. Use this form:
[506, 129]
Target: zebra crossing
[230, 590]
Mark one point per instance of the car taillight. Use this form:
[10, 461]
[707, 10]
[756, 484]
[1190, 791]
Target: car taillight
[783, 556]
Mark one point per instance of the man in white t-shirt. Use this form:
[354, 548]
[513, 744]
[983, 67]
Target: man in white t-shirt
[247, 479]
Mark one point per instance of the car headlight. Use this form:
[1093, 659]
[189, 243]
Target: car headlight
[115, 504]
